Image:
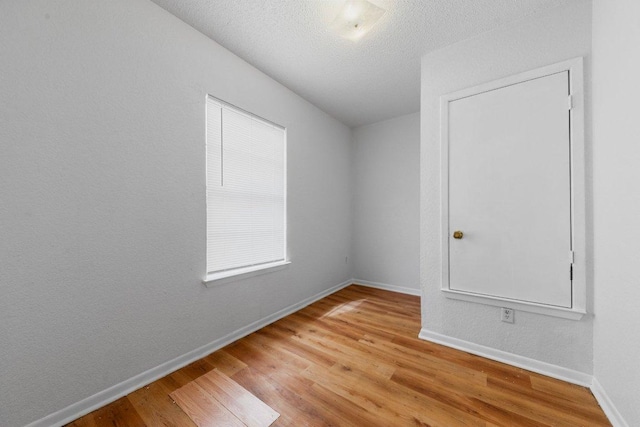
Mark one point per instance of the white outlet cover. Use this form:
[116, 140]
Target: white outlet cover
[507, 314]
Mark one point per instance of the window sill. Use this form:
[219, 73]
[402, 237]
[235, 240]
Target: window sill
[214, 279]
[547, 310]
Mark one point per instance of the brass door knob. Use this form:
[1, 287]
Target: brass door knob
[458, 234]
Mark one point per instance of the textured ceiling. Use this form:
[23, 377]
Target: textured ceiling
[361, 82]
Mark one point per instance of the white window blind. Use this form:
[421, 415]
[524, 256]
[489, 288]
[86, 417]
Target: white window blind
[246, 191]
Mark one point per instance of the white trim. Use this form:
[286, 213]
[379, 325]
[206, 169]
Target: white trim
[223, 277]
[224, 104]
[578, 177]
[578, 202]
[607, 405]
[104, 397]
[565, 313]
[386, 287]
[554, 371]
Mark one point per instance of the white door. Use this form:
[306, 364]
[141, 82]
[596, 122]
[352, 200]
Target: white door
[510, 192]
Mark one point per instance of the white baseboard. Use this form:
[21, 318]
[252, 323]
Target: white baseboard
[386, 287]
[607, 405]
[104, 397]
[554, 371]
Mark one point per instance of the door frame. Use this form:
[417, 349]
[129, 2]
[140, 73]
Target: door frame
[577, 191]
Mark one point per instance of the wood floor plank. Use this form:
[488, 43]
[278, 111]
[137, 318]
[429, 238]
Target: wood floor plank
[225, 363]
[379, 396]
[575, 413]
[443, 392]
[204, 410]
[432, 353]
[372, 294]
[278, 349]
[120, 413]
[354, 359]
[339, 405]
[316, 357]
[347, 327]
[252, 411]
[196, 369]
[562, 390]
[423, 362]
[339, 351]
[280, 390]
[156, 408]
[277, 381]
[364, 402]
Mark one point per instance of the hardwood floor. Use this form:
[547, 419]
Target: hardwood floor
[354, 359]
[215, 399]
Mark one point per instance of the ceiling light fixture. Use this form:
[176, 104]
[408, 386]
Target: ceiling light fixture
[356, 18]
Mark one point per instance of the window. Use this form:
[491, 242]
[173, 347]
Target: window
[246, 192]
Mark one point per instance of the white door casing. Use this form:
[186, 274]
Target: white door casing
[513, 182]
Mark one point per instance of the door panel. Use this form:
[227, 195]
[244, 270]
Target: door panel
[510, 192]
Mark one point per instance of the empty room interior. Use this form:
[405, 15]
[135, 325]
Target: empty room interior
[319, 213]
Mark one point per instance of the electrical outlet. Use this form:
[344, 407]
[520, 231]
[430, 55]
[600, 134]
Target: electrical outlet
[507, 315]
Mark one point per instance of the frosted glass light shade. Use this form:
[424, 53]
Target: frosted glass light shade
[356, 18]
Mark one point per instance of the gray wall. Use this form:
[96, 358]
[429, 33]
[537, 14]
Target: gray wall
[564, 33]
[616, 156]
[102, 189]
[386, 202]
